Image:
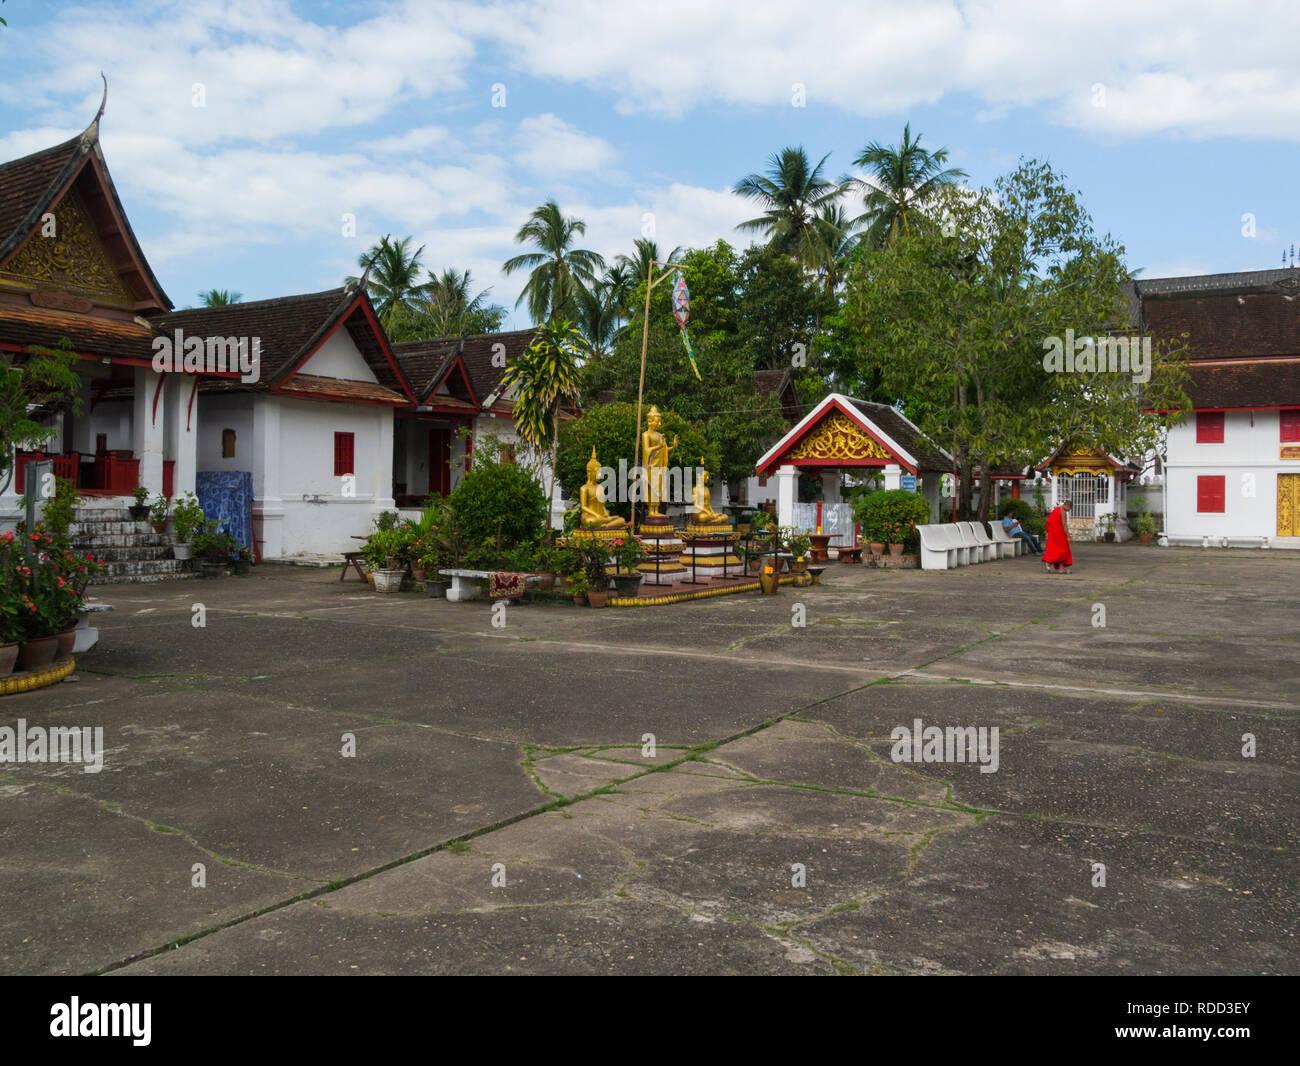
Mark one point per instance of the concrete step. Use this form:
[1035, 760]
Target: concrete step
[126, 555]
[97, 528]
[141, 568]
[141, 579]
[101, 514]
[121, 540]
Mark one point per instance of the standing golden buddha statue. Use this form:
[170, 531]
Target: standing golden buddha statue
[655, 447]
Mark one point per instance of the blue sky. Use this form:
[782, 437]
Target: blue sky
[1173, 119]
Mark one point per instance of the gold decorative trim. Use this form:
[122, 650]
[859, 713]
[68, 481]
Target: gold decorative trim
[28, 682]
[72, 259]
[839, 438]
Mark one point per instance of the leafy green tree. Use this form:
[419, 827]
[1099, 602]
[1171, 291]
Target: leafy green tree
[32, 387]
[792, 193]
[611, 430]
[219, 298]
[779, 308]
[728, 336]
[956, 319]
[498, 506]
[901, 183]
[557, 269]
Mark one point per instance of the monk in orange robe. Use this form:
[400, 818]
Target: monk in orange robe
[1057, 557]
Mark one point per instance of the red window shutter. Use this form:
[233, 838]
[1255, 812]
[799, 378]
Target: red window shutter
[343, 451]
[1209, 427]
[1211, 490]
[1290, 425]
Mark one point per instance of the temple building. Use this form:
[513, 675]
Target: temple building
[280, 415]
[1232, 470]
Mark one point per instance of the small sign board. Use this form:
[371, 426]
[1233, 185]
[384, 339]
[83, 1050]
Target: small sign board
[908, 482]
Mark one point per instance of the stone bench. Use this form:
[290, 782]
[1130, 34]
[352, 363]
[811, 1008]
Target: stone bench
[87, 635]
[848, 555]
[943, 547]
[1007, 544]
[464, 583]
[983, 548]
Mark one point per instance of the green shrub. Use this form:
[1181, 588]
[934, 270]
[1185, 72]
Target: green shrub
[889, 516]
[187, 517]
[498, 506]
[57, 511]
[1146, 523]
[1026, 514]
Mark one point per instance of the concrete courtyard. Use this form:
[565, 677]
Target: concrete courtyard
[501, 813]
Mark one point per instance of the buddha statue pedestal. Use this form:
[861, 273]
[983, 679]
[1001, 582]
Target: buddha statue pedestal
[661, 564]
[712, 546]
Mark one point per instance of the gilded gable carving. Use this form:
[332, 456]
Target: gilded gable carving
[839, 438]
[72, 259]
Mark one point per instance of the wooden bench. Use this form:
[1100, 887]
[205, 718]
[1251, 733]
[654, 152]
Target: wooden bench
[848, 555]
[464, 583]
[1007, 544]
[943, 547]
[352, 559]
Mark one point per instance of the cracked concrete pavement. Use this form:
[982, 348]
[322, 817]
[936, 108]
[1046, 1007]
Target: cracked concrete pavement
[503, 813]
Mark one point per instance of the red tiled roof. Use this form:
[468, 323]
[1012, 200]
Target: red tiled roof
[26, 186]
[316, 386]
[90, 335]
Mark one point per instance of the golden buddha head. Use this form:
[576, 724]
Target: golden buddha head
[593, 465]
[654, 420]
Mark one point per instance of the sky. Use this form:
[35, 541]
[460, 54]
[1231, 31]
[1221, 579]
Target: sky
[243, 136]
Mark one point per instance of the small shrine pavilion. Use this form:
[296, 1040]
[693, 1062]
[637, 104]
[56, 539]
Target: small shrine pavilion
[843, 436]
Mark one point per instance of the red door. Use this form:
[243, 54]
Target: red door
[439, 460]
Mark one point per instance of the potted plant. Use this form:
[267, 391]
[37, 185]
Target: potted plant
[1110, 529]
[213, 548]
[139, 510]
[11, 602]
[435, 587]
[628, 553]
[243, 561]
[382, 553]
[1146, 527]
[187, 519]
[891, 516]
[160, 512]
[594, 557]
[575, 584]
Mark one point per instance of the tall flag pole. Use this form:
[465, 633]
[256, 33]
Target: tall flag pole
[651, 282]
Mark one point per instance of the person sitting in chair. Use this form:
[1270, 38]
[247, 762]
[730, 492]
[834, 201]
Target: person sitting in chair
[1013, 528]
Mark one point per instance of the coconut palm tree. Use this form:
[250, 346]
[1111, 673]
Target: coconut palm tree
[898, 185]
[647, 251]
[219, 298]
[558, 269]
[792, 193]
[834, 236]
[393, 277]
[543, 378]
[448, 306]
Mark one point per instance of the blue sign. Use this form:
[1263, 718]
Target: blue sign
[908, 482]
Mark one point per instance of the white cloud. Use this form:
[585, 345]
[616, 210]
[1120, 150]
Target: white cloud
[549, 146]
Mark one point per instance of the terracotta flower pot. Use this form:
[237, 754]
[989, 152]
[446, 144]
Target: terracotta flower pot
[597, 599]
[1146, 538]
[37, 654]
[895, 549]
[417, 574]
[66, 639]
[877, 547]
[579, 598]
[8, 656]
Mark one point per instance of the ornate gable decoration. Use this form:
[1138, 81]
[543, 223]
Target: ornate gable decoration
[838, 439]
[71, 258]
[1290, 285]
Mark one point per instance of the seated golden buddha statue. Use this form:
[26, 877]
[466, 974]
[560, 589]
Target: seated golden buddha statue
[704, 514]
[594, 514]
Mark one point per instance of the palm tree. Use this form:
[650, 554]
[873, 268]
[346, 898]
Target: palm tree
[899, 183]
[834, 237]
[392, 273]
[792, 193]
[600, 317]
[449, 310]
[543, 378]
[558, 269]
[647, 251]
[219, 298]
